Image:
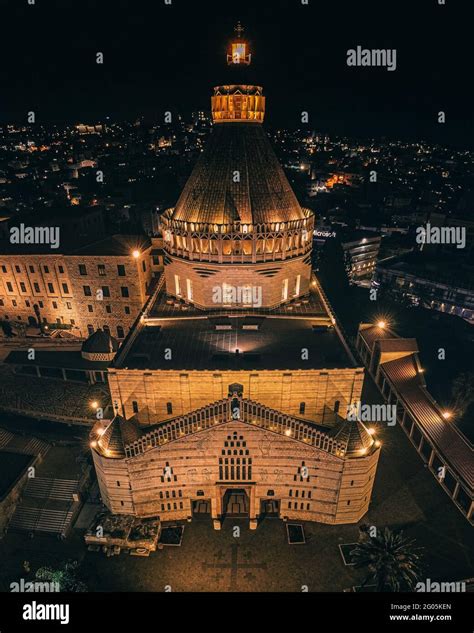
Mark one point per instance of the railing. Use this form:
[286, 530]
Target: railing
[248, 411]
[237, 242]
[198, 420]
[346, 341]
[136, 327]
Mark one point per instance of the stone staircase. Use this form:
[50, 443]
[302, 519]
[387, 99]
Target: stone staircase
[44, 488]
[28, 519]
[27, 445]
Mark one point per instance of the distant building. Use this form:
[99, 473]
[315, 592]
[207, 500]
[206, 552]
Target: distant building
[360, 250]
[360, 256]
[433, 282]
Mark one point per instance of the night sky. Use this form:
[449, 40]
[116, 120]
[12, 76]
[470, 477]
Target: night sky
[160, 57]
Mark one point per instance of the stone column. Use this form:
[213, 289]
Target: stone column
[253, 508]
[216, 509]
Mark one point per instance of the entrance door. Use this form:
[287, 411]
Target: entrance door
[201, 507]
[235, 503]
[270, 508]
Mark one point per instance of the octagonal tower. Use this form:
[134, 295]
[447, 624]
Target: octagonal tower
[238, 237]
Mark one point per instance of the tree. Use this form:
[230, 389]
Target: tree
[66, 576]
[463, 392]
[392, 561]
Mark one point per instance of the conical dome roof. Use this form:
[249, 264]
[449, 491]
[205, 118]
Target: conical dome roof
[238, 178]
[354, 435]
[116, 436]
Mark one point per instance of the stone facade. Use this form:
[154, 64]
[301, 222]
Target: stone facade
[269, 284]
[297, 481]
[85, 292]
[160, 395]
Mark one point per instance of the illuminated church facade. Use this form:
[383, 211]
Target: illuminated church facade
[232, 388]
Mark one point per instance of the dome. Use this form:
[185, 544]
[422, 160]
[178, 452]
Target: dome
[238, 179]
[100, 346]
[355, 436]
[118, 434]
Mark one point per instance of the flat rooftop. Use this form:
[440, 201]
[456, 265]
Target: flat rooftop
[310, 306]
[58, 359]
[197, 344]
[455, 270]
[113, 245]
[234, 340]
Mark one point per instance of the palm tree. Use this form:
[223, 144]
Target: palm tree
[66, 575]
[463, 391]
[392, 561]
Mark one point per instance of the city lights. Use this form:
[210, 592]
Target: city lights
[234, 311]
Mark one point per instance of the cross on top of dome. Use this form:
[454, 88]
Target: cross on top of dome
[239, 48]
[239, 29]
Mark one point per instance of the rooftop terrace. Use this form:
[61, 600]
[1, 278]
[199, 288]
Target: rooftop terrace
[237, 340]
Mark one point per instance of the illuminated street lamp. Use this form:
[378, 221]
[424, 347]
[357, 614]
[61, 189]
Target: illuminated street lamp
[447, 415]
[136, 254]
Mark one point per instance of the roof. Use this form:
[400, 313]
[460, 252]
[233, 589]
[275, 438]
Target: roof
[375, 333]
[391, 345]
[100, 342]
[60, 359]
[309, 306]
[455, 448]
[197, 344]
[354, 435]
[263, 193]
[115, 245]
[117, 435]
[213, 416]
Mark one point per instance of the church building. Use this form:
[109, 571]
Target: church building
[232, 388]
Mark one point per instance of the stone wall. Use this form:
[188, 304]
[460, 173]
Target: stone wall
[308, 483]
[64, 300]
[269, 278]
[154, 391]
